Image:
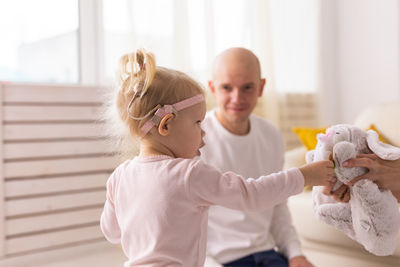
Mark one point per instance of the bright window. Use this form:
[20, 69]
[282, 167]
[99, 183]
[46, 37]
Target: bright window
[52, 41]
[130, 24]
[295, 30]
[188, 34]
[39, 41]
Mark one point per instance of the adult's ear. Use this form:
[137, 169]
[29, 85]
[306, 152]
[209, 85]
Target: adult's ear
[212, 87]
[263, 81]
[382, 150]
[165, 124]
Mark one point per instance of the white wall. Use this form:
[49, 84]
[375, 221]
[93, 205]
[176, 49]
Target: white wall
[360, 56]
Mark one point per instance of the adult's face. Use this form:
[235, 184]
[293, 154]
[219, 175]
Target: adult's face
[236, 86]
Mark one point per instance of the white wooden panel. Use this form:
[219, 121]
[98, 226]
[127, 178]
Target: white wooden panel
[51, 221]
[53, 203]
[40, 93]
[25, 187]
[47, 240]
[59, 148]
[300, 110]
[47, 138]
[300, 98]
[58, 166]
[51, 131]
[2, 189]
[52, 113]
[297, 110]
[299, 122]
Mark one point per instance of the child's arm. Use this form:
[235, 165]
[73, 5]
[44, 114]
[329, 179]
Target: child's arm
[108, 221]
[207, 186]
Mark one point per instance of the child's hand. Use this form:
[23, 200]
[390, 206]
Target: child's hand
[318, 173]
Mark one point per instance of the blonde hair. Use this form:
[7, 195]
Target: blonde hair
[142, 86]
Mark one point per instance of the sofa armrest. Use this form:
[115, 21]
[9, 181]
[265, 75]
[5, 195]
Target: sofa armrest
[385, 118]
[295, 158]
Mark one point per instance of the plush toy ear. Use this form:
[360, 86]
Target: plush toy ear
[382, 150]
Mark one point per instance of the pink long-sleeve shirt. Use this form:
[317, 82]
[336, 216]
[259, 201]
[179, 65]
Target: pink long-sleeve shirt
[157, 207]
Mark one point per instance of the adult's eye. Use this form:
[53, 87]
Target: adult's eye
[248, 88]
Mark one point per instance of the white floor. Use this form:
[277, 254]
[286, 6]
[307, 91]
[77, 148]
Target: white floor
[106, 255]
[321, 259]
[324, 255]
[97, 255]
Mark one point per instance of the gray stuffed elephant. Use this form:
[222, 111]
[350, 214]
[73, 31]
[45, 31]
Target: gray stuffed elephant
[372, 216]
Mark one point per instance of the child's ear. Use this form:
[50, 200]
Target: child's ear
[164, 126]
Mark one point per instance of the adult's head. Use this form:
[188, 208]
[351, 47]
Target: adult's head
[236, 85]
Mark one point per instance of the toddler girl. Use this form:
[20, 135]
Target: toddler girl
[157, 202]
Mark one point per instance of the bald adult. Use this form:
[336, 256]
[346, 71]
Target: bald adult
[240, 141]
[236, 85]
[231, 56]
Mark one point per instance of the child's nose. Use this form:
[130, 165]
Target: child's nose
[203, 133]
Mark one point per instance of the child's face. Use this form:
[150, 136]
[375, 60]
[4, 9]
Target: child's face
[186, 133]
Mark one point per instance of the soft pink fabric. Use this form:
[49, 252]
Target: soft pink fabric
[157, 206]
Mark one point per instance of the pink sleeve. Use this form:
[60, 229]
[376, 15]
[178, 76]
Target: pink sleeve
[108, 222]
[207, 186]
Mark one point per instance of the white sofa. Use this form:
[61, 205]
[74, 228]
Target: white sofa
[322, 244]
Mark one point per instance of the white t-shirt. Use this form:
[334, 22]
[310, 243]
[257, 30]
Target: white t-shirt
[234, 234]
[157, 207]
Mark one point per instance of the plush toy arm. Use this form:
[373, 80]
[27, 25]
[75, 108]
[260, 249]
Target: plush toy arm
[331, 212]
[338, 215]
[343, 151]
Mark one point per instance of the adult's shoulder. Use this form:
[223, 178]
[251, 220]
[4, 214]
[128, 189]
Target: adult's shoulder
[266, 130]
[209, 118]
[211, 125]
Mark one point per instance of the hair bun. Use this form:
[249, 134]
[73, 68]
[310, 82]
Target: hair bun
[134, 68]
[140, 60]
